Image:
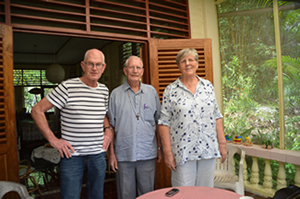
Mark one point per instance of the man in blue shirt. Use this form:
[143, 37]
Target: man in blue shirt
[134, 110]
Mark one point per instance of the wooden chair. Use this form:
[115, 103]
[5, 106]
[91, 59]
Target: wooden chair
[25, 170]
[225, 175]
[6, 186]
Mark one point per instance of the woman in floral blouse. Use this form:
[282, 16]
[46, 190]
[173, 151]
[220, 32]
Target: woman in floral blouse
[191, 126]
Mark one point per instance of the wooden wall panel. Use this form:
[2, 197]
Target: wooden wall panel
[8, 138]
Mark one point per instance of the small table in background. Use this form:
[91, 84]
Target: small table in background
[192, 192]
[46, 152]
[46, 160]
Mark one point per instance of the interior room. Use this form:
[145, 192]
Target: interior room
[41, 62]
[239, 44]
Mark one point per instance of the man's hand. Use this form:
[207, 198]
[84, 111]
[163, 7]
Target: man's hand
[108, 136]
[113, 163]
[63, 147]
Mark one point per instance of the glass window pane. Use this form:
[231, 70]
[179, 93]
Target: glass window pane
[17, 77]
[247, 43]
[46, 91]
[128, 49]
[290, 42]
[45, 80]
[30, 99]
[31, 77]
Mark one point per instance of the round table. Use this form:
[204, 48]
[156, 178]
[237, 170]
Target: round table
[192, 192]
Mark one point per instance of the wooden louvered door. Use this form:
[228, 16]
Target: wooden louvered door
[8, 139]
[163, 67]
[164, 71]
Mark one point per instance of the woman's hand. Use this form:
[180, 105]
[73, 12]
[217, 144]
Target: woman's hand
[170, 161]
[223, 151]
[159, 155]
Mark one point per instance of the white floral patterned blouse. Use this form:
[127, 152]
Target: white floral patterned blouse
[192, 120]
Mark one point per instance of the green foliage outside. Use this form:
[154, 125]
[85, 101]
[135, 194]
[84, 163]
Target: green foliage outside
[29, 79]
[250, 77]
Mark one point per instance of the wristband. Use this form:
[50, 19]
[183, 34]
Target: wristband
[159, 148]
[108, 127]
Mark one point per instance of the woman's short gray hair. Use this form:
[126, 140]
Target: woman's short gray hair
[185, 52]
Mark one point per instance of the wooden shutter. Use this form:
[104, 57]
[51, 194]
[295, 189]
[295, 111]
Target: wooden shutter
[164, 71]
[8, 139]
[135, 20]
[163, 67]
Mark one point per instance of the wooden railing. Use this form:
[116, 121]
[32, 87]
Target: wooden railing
[279, 155]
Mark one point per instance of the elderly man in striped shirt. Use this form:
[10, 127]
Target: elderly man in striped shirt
[86, 134]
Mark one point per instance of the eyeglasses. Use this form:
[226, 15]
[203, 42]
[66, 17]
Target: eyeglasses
[185, 61]
[138, 68]
[91, 65]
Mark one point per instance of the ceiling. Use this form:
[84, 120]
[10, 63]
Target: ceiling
[48, 49]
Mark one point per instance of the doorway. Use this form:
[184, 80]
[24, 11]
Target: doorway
[33, 54]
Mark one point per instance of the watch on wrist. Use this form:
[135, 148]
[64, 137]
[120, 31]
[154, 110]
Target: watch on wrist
[108, 127]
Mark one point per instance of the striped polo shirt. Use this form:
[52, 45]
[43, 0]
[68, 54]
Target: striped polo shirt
[82, 110]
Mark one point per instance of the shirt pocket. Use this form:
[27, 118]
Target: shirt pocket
[149, 114]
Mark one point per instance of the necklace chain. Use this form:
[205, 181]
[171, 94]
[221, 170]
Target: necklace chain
[136, 115]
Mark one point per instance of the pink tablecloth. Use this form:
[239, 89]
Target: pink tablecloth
[192, 193]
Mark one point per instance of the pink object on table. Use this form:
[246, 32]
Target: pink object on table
[192, 192]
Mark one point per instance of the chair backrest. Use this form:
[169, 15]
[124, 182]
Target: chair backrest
[228, 164]
[225, 175]
[7, 186]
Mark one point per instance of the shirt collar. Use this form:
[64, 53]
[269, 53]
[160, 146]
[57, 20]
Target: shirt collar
[127, 87]
[178, 83]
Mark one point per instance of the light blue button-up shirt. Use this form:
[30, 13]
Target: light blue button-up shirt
[135, 139]
[192, 120]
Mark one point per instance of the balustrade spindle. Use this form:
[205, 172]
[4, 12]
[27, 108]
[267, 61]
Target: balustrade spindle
[245, 172]
[297, 175]
[268, 184]
[281, 182]
[255, 171]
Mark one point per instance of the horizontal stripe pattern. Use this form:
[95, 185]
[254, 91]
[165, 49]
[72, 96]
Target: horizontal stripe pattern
[83, 109]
